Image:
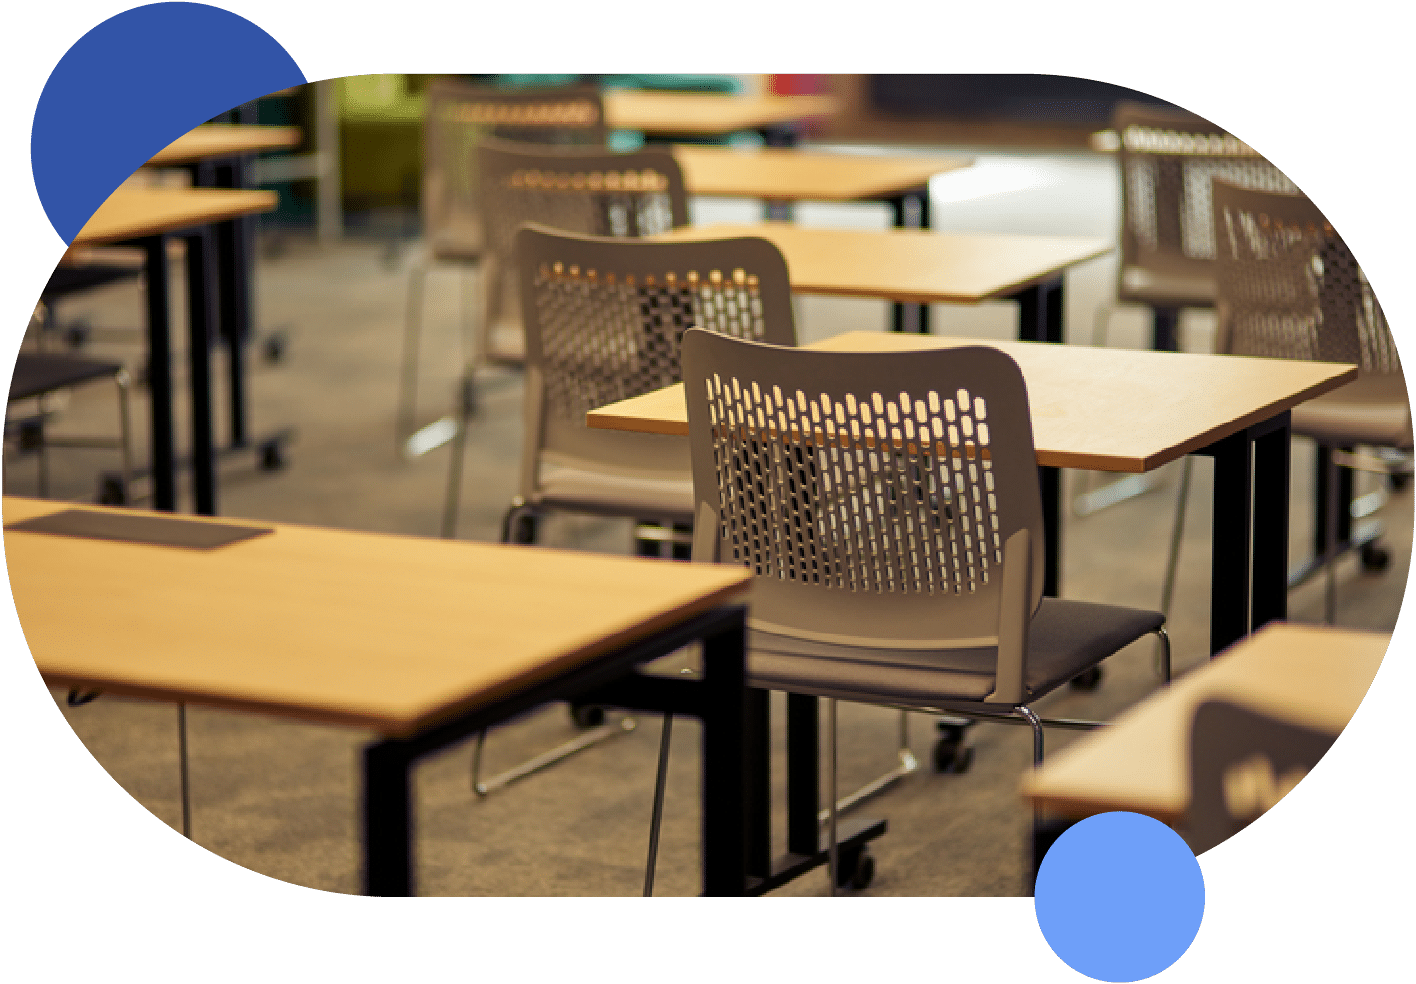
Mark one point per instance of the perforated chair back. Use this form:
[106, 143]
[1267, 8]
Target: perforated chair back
[459, 117]
[875, 496]
[1168, 159]
[604, 319]
[593, 193]
[1289, 287]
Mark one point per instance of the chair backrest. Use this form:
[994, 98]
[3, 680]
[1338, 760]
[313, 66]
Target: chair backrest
[460, 115]
[1167, 159]
[604, 319]
[1242, 762]
[590, 192]
[1290, 288]
[874, 495]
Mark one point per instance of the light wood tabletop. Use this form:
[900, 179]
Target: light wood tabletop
[132, 213]
[797, 175]
[911, 266]
[1101, 409]
[1312, 676]
[384, 632]
[215, 140]
[707, 114]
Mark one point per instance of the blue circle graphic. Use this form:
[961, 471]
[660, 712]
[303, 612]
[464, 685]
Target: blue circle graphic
[131, 86]
[1120, 897]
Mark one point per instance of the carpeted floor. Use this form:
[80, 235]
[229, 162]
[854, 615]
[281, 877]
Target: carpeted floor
[280, 798]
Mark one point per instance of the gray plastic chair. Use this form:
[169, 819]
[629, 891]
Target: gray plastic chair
[1289, 288]
[1241, 763]
[604, 318]
[459, 116]
[1167, 159]
[889, 505]
[592, 193]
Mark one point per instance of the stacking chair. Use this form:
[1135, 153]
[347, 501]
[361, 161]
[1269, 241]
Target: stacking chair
[592, 193]
[1241, 763]
[1289, 288]
[1167, 159]
[39, 375]
[603, 321]
[888, 504]
[459, 116]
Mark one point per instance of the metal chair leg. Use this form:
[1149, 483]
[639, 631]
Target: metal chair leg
[412, 336]
[1177, 534]
[183, 771]
[587, 739]
[452, 501]
[832, 860]
[125, 432]
[1164, 638]
[1330, 540]
[908, 766]
[657, 817]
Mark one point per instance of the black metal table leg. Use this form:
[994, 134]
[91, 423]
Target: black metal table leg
[1040, 312]
[725, 819]
[159, 373]
[388, 820]
[200, 321]
[233, 266]
[910, 211]
[803, 774]
[1050, 483]
[1165, 329]
[1270, 523]
[757, 781]
[1232, 539]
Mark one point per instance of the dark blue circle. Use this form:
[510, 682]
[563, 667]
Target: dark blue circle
[1119, 897]
[131, 86]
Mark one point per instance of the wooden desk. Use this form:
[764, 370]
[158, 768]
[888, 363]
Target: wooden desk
[915, 266]
[213, 141]
[798, 175]
[218, 155]
[1130, 411]
[697, 115]
[1306, 675]
[424, 641]
[145, 218]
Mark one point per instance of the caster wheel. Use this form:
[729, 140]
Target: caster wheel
[587, 715]
[272, 456]
[1375, 558]
[78, 333]
[1087, 680]
[855, 869]
[1399, 481]
[951, 758]
[112, 493]
[274, 347]
[468, 394]
[31, 435]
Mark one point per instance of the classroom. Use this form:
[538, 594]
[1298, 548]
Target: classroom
[518, 485]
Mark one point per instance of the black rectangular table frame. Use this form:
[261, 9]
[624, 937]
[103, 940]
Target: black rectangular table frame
[718, 699]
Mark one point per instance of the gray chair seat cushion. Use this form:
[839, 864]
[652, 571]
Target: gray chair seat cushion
[1140, 286]
[1065, 638]
[610, 494]
[1372, 410]
[37, 374]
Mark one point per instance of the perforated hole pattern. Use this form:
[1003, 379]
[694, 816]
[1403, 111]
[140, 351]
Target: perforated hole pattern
[1294, 291]
[594, 203]
[607, 338]
[1168, 176]
[856, 492]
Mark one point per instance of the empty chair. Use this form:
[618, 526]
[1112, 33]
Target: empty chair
[1166, 159]
[1289, 288]
[38, 375]
[889, 506]
[1242, 762]
[604, 319]
[459, 116]
[586, 192]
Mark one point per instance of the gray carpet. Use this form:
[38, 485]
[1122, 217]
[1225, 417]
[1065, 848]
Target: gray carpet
[280, 798]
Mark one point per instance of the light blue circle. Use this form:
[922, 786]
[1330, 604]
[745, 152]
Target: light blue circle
[1119, 897]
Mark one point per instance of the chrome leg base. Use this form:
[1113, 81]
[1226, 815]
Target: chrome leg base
[582, 741]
